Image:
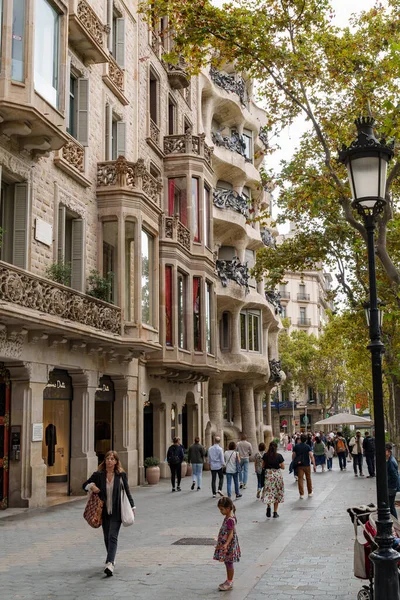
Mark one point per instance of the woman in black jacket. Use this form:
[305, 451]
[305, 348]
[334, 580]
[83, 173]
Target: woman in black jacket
[107, 482]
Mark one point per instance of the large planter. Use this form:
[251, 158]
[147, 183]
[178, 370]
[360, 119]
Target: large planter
[189, 471]
[184, 469]
[153, 475]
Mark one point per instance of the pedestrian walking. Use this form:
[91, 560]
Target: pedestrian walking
[393, 477]
[369, 453]
[216, 462]
[319, 454]
[329, 453]
[273, 492]
[245, 451]
[356, 448]
[175, 456]
[303, 456]
[259, 469]
[196, 459]
[232, 465]
[341, 450]
[108, 481]
[227, 549]
[285, 441]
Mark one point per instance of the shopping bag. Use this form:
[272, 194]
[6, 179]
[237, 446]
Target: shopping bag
[93, 510]
[127, 515]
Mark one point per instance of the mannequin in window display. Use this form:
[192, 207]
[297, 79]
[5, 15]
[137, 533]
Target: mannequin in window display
[51, 442]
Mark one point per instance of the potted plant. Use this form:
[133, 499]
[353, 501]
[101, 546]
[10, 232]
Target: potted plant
[60, 272]
[152, 470]
[189, 469]
[100, 287]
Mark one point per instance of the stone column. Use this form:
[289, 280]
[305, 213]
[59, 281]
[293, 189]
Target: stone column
[248, 413]
[258, 415]
[83, 457]
[125, 426]
[237, 410]
[28, 477]
[235, 332]
[215, 406]
[160, 438]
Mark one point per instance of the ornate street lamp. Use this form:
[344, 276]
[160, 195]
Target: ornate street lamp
[366, 160]
[367, 310]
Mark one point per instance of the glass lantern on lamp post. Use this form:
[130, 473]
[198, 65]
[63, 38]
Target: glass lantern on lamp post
[366, 160]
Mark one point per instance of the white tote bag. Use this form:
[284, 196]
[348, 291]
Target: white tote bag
[127, 516]
[359, 565]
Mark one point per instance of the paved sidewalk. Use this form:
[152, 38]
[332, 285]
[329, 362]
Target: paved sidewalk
[307, 553]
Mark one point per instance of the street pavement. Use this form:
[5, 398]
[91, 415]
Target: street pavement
[306, 553]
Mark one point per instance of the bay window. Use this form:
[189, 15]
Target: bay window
[147, 278]
[110, 255]
[197, 313]
[195, 210]
[206, 216]
[168, 305]
[177, 198]
[129, 269]
[250, 331]
[47, 52]
[208, 317]
[18, 41]
[182, 310]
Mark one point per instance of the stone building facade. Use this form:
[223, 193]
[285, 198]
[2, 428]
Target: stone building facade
[128, 197]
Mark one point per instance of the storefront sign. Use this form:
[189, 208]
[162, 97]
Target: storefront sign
[284, 423]
[37, 432]
[105, 390]
[59, 386]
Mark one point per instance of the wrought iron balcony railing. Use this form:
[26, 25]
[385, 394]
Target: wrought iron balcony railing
[234, 143]
[274, 298]
[305, 297]
[233, 270]
[304, 322]
[268, 239]
[230, 199]
[229, 83]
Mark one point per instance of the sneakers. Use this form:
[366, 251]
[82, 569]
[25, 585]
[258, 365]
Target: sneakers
[362, 475]
[214, 495]
[355, 475]
[193, 485]
[296, 478]
[220, 492]
[258, 493]
[238, 496]
[109, 570]
[310, 494]
[268, 513]
[241, 485]
[301, 497]
[275, 516]
[173, 489]
[244, 486]
[178, 489]
[226, 586]
[198, 489]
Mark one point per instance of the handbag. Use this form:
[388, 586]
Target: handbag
[361, 551]
[127, 515]
[93, 510]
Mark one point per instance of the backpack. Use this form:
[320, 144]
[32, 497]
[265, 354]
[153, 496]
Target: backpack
[340, 445]
[174, 458]
[258, 463]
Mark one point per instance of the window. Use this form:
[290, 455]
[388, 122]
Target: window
[182, 310]
[197, 313]
[47, 51]
[174, 411]
[283, 312]
[110, 255]
[71, 245]
[153, 98]
[78, 109]
[168, 305]
[147, 278]
[225, 331]
[187, 126]
[18, 41]
[250, 260]
[206, 216]
[129, 269]
[227, 402]
[195, 210]
[177, 198]
[171, 116]
[248, 141]
[14, 220]
[250, 331]
[208, 317]
[115, 135]
[246, 193]
[116, 36]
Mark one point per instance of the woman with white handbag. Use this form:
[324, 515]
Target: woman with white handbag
[111, 483]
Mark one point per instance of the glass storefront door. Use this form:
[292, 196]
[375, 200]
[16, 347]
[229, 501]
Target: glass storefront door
[104, 417]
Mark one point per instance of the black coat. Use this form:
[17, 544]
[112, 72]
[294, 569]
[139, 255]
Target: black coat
[99, 479]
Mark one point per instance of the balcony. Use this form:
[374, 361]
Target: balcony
[177, 74]
[304, 322]
[114, 79]
[154, 138]
[234, 143]
[230, 199]
[263, 135]
[188, 144]
[284, 295]
[268, 240]
[86, 32]
[276, 373]
[71, 160]
[121, 176]
[233, 270]
[303, 297]
[229, 83]
[274, 298]
[172, 229]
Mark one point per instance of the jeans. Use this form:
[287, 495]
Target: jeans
[214, 474]
[260, 480]
[392, 498]
[357, 461]
[197, 469]
[342, 459]
[110, 531]
[370, 464]
[329, 463]
[235, 477]
[244, 473]
[176, 472]
[301, 471]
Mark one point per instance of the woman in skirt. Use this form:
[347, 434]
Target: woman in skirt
[273, 491]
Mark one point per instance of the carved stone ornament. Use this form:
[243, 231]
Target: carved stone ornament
[275, 371]
[234, 143]
[233, 270]
[229, 83]
[90, 21]
[267, 238]
[11, 346]
[36, 293]
[74, 154]
[188, 143]
[230, 199]
[121, 173]
[274, 298]
[116, 74]
[154, 132]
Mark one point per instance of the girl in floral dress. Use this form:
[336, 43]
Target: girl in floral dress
[227, 549]
[273, 491]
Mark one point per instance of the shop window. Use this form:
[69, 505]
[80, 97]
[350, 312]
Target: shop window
[250, 331]
[47, 51]
[71, 245]
[147, 278]
[103, 417]
[208, 317]
[18, 41]
[225, 331]
[177, 198]
[153, 97]
[115, 135]
[206, 216]
[168, 305]
[197, 314]
[129, 269]
[195, 210]
[78, 109]
[171, 116]
[182, 310]
[14, 221]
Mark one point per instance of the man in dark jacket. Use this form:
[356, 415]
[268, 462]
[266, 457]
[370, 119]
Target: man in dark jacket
[369, 453]
[196, 459]
[393, 476]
